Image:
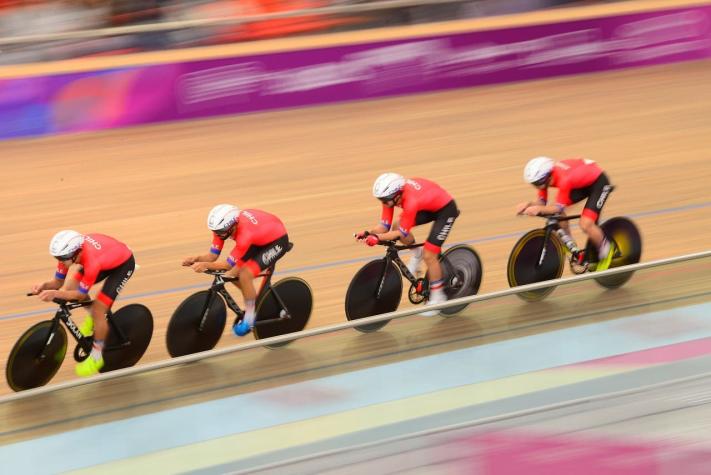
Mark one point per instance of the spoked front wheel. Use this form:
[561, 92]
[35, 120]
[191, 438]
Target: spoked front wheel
[272, 319]
[625, 235]
[525, 265]
[185, 335]
[462, 272]
[37, 356]
[376, 288]
[130, 332]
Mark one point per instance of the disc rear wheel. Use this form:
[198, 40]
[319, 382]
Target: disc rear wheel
[273, 320]
[125, 349]
[462, 273]
[626, 237]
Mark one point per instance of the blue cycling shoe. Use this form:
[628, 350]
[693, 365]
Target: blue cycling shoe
[241, 329]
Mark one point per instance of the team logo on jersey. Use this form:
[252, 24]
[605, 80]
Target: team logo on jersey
[250, 217]
[414, 184]
[93, 242]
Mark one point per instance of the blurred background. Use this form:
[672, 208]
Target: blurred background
[589, 381]
[35, 30]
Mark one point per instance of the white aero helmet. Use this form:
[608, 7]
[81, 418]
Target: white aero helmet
[65, 244]
[538, 170]
[222, 217]
[387, 185]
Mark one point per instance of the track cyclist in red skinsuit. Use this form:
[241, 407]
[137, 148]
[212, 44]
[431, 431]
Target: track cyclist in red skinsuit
[100, 257]
[576, 179]
[422, 201]
[261, 240]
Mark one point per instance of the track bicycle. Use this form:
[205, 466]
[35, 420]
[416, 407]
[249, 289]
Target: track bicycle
[199, 321]
[540, 254]
[39, 352]
[377, 287]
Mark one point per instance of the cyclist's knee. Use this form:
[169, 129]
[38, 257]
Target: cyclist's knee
[587, 224]
[101, 305]
[248, 272]
[430, 257]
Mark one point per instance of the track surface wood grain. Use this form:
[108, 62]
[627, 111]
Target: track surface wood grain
[153, 186]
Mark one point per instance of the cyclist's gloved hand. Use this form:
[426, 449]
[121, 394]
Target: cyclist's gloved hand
[361, 235]
[372, 240]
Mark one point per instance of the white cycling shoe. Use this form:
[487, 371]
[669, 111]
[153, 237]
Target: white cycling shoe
[437, 297]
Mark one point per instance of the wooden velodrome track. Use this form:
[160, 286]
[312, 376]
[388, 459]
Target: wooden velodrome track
[152, 187]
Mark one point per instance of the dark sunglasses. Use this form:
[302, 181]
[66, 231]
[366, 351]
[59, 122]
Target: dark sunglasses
[540, 182]
[388, 199]
[223, 234]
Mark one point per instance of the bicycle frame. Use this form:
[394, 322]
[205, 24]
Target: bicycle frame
[391, 255]
[550, 227]
[63, 314]
[218, 286]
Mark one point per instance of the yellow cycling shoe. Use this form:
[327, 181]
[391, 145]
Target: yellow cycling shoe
[89, 367]
[604, 263]
[87, 326]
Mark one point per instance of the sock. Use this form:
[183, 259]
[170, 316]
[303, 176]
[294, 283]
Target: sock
[437, 288]
[96, 349]
[249, 315]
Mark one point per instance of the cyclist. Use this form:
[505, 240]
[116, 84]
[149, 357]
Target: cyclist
[261, 240]
[576, 179]
[422, 201]
[98, 257]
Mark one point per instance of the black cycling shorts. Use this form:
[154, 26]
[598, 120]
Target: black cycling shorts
[258, 258]
[443, 221]
[116, 279]
[597, 194]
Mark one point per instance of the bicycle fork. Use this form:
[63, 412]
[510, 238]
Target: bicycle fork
[52, 331]
[206, 307]
[542, 257]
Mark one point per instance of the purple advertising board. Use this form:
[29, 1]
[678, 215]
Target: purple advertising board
[147, 94]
